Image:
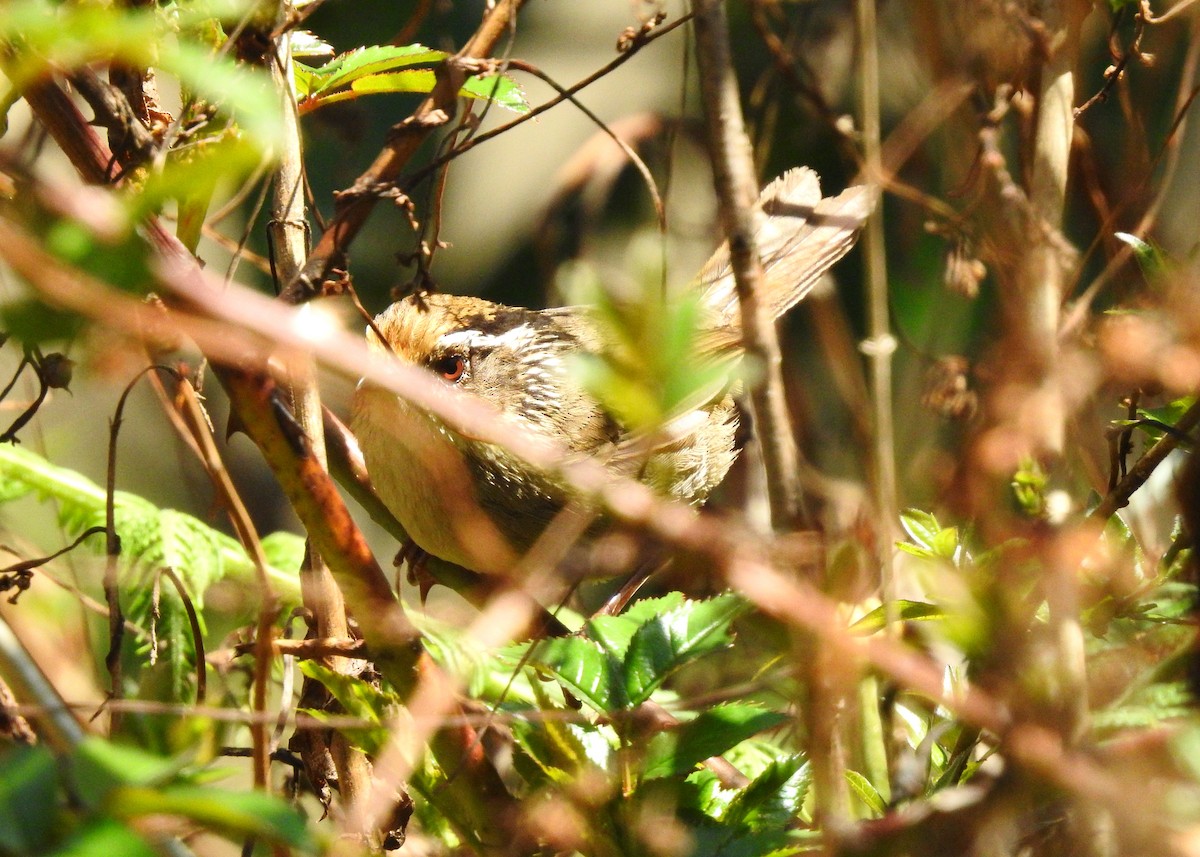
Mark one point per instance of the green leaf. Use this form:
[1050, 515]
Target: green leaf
[283, 550]
[614, 633]
[388, 68]
[30, 780]
[921, 527]
[1150, 257]
[120, 259]
[105, 837]
[906, 611]
[233, 813]
[773, 799]
[346, 68]
[866, 792]
[711, 733]
[665, 643]
[360, 699]
[500, 89]
[99, 767]
[584, 668]
[144, 538]
[561, 751]
[1168, 414]
[32, 322]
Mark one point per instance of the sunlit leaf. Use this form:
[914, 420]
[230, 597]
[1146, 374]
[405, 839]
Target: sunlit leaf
[360, 699]
[389, 68]
[711, 733]
[663, 644]
[1150, 257]
[584, 668]
[773, 799]
[921, 526]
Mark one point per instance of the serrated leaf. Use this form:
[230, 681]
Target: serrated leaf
[584, 668]
[305, 43]
[773, 799]
[611, 633]
[614, 633]
[665, 643]
[82, 505]
[345, 68]
[500, 89]
[561, 751]
[703, 793]
[711, 733]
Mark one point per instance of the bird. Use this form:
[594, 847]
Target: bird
[475, 504]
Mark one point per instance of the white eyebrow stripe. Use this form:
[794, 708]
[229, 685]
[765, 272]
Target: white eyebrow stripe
[476, 339]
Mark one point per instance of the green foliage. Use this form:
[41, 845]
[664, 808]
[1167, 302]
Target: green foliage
[620, 661]
[1151, 259]
[388, 68]
[358, 698]
[1151, 421]
[151, 539]
[653, 368]
[73, 35]
[95, 800]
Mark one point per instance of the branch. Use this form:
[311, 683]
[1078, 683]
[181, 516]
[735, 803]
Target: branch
[737, 190]
[434, 112]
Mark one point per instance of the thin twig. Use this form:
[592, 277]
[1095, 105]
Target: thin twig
[197, 634]
[880, 345]
[420, 175]
[112, 549]
[1119, 496]
[660, 211]
[434, 112]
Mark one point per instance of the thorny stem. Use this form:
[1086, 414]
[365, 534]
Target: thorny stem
[737, 190]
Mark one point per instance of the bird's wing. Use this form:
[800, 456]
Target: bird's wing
[800, 235]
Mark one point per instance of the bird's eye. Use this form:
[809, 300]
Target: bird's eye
[450, 368]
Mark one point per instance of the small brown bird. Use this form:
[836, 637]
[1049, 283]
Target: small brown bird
[475, 504]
